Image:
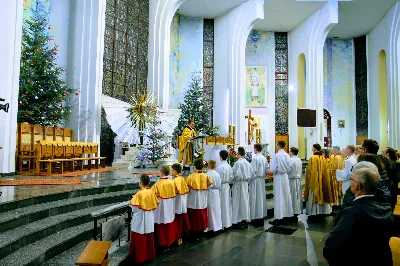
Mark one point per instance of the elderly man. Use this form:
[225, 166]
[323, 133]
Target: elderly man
[361, 236]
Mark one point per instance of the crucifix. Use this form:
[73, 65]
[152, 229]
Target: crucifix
[249, 127]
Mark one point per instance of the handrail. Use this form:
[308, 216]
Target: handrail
[97, 214]
[110, 209]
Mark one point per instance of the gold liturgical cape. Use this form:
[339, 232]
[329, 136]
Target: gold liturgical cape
[185, 146]
[337, 164]
[319, 180]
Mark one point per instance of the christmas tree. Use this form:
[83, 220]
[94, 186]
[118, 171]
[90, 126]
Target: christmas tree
[44, 98]
[194, 107]
[155, 148]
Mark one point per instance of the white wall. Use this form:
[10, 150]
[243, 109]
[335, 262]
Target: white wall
[309, 38]
[10, 53]
[385, 35]
[230, 36]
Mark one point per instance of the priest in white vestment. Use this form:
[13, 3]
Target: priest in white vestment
[295, 182]
[257, 194]
[225, 172]
[242, 172]
[345, 174]
[214, 200]
[280, 166]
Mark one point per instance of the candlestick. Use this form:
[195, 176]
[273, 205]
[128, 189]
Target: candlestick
[234, 132]
[230, 129]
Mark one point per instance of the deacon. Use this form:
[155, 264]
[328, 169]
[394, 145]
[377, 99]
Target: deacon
[242, 173]
[345, 175]
[295, 182]
[225, 172]
[214, 200]
[280, 166]
[165, 189]
[318, 192]
[198, 183]
[257, 194]
[181, 221]
[143, 204]
[186, 146]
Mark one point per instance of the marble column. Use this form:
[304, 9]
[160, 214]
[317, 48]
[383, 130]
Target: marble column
[85, 67]
[231, 32]
[10, 53]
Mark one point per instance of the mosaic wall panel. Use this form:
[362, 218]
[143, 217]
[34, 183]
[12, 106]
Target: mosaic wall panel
[208, 63]
[281, 84]
[125, 57]
[361, 78]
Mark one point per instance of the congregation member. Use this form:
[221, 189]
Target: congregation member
[390, 154]
[257, 193]
[198, 183]
[361, 236]
[280, 166]
[358, 150]
[345, 174]
[320, 186]
[213, 199]
[242, 173]
[181, 221]
[295, 182]
[143, 204]
[336, 163]
[164, 216]
[225, 172]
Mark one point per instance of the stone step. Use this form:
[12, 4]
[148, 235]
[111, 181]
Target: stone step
[50, 246]
[23, 216]
[13, 205]
[17, 238]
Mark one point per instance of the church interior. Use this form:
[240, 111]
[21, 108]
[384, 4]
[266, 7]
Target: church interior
[103, 101]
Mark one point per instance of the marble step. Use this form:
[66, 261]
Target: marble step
[50, 246]
[12, 240]
[23, 216]
[12, 205]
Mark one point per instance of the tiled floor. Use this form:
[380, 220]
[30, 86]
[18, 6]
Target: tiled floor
[253, 246]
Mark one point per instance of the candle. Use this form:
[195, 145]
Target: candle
[230, 129]
[234, 131]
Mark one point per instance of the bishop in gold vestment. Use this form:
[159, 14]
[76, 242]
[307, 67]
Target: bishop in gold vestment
[186, 146]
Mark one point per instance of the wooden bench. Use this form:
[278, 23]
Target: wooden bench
[95, 254]
[48, 163]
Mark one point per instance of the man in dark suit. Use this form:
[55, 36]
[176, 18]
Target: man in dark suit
[361, 236]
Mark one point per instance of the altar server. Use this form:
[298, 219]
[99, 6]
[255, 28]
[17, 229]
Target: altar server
[295, 182]
[165, 189]
[213, 200]
[225, 172]
[143, 204]
[345, 174]
[181, 217]
[280, 166]
[198, 182]
[257, 194]
[242, 172]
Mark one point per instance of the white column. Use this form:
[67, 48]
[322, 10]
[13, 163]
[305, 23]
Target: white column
[161, 14]
[231, 32]
[309, 38]
[10, 53]
[85, 66]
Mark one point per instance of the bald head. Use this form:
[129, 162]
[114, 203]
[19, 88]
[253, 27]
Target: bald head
[367, 179]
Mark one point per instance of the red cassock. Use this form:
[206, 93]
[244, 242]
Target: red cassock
[142, 247]
[182, 225]
[165, 234]
[198, 219]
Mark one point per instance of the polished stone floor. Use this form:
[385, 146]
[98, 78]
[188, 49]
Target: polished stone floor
[10, 193]
[254, 246]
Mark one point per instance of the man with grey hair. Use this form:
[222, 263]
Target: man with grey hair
[363, 222]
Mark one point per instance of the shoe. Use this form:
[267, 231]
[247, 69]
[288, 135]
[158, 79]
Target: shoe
[275, 222]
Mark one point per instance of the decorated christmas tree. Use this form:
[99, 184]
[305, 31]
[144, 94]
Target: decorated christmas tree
[155, 148]
[44, 97]
[195, 107]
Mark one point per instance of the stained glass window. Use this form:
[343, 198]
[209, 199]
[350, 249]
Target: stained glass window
[208, 63]
[281, 84]
[125, 48]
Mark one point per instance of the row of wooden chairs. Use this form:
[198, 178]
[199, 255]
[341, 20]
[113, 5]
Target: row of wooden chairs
[59, 153]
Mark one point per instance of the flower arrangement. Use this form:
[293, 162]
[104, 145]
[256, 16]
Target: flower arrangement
[232, 156]
[248, 156]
